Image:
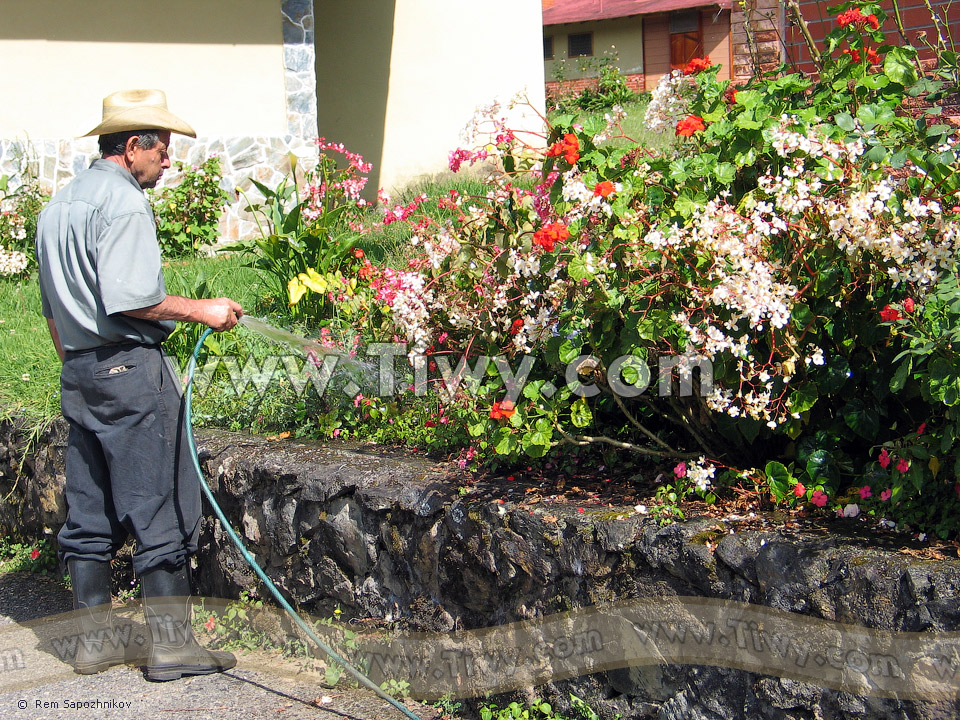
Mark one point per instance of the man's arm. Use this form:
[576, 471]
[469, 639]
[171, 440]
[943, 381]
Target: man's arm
[219, 313]
[56, 337]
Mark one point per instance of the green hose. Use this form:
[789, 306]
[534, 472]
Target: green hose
[360, 677]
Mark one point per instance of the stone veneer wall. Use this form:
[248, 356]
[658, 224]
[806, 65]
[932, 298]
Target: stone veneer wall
[266, 159]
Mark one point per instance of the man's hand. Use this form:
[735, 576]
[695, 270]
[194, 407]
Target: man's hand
[220, 313]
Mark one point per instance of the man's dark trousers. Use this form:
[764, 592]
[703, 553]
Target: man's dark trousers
[128, 465]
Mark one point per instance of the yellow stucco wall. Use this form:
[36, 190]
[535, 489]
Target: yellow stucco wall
[219, 61]
[623, 36]
[400, 87]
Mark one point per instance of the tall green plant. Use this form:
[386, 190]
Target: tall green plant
[187, 213]
[307, 233]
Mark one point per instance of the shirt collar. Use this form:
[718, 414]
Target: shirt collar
[112, 167]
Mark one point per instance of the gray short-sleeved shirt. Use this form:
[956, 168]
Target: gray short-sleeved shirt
[98, 257]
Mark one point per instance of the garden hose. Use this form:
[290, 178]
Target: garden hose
[360, 677]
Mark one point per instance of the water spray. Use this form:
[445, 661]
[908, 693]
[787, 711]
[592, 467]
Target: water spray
[307, 346]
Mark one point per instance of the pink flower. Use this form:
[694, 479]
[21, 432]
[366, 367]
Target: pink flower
[357, 399]
[819, 498]
[909, 305]
[680, 470]
[799, 490]
[884, 459]
[210, 624]
[902, 465]
[885, 495]
[865, 492]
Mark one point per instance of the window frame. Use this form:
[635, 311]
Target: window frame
[570, 36]
[553, 52]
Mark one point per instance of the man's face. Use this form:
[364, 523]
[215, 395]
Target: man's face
[147, 166]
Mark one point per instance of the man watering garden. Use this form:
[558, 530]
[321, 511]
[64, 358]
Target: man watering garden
[127, 466]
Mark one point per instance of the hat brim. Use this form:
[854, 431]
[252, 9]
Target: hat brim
[142, 118]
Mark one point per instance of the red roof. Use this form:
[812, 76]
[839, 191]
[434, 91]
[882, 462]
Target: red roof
[571, 11]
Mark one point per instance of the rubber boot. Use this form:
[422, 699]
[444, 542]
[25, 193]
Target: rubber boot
[100, 645]
[175, 652]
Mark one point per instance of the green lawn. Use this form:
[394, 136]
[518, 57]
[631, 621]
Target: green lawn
[30, 375]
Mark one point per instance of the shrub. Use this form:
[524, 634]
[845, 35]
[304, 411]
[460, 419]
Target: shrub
[20, 207]
[773, 252]
[187, 214]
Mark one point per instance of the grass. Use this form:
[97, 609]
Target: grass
[634, 130]
[30, 373]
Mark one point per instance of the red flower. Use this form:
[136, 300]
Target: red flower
[604, 189]
[697, 65]
[819, 498]
[884, 459]
[902, 465]
[885, 495]
[689, 125]
[517, 324]
[568, 146]
[34, 554]
[429, 423]
[865, 492]
[855, 17]
[502, 410]
[548, 236]
[923, 426]
[799, 490]
[357, 252]
[872, 57]
[367, 270]
[909, 305]
[731, 95]
[889, 314]
[854, 54]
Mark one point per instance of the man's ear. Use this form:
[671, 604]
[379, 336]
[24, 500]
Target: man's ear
[130, 145]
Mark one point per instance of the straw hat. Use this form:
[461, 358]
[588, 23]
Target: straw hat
[139, 110]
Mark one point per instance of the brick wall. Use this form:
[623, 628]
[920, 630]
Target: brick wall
[915, 15]
[564, 88]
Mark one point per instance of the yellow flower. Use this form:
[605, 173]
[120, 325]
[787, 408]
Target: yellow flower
[313, 280]
[296, 290]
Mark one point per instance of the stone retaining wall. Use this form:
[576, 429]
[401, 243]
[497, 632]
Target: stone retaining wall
[386, 536]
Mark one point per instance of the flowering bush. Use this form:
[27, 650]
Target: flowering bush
[771, 300]
[19, 208]
[798, 249]
[187, 213]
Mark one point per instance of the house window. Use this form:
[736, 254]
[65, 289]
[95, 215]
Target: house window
[548, 48]
[580, 45]
[686, 37]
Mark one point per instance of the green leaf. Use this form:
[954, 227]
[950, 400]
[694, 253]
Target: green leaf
[804, 397]
[862, 418]
[725, 173]
[898, 65]
[821, 467]
[780, 479]
[899, 378]
[845, 122]
[580, 414]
